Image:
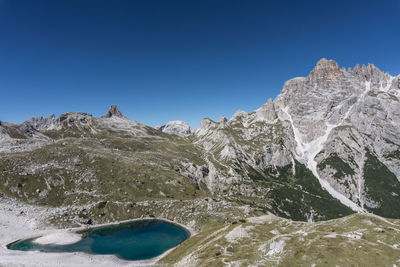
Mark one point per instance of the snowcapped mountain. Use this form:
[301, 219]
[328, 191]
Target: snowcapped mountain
[175, 127]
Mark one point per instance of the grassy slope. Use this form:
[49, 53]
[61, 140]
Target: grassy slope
[355, 240]
[82, 169]
[75, 171]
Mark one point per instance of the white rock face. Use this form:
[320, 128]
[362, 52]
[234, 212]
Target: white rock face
[266, 111]
[344, 113]
[175, 127]
[41, 123]
[25, 136]
[332, 121]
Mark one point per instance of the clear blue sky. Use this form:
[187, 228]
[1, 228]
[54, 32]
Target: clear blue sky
[168, 60]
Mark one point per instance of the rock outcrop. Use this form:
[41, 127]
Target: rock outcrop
[113, 111]
[175, 127]
[267, 111]
[41, 123]
[71, 118]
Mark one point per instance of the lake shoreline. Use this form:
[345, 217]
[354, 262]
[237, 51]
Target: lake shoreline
[31, 224]
[61, 237]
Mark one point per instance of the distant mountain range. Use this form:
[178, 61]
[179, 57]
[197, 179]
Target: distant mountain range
[326, 147]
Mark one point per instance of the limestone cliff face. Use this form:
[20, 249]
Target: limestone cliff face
[340, 124]
[343, 118]
[267, 111]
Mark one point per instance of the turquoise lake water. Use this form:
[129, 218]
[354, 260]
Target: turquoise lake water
[137, 240]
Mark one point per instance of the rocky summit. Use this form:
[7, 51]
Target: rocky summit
[175, 127]
[113, 111]
[326, 147]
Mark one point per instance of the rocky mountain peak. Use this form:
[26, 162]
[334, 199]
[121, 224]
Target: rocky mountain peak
[267, 111]
[326, 70]
[175, 127]
[70, 118]
[205, 125]
[41, 123]
[240, 114]
[324, 63]
[396, 83]
[370, 73]
[113, 111]
[222, 119]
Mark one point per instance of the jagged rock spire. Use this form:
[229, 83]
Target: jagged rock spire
[222, 119]
[41, 123]
[113, 111]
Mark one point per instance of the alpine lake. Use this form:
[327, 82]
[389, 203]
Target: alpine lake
[135, 240]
